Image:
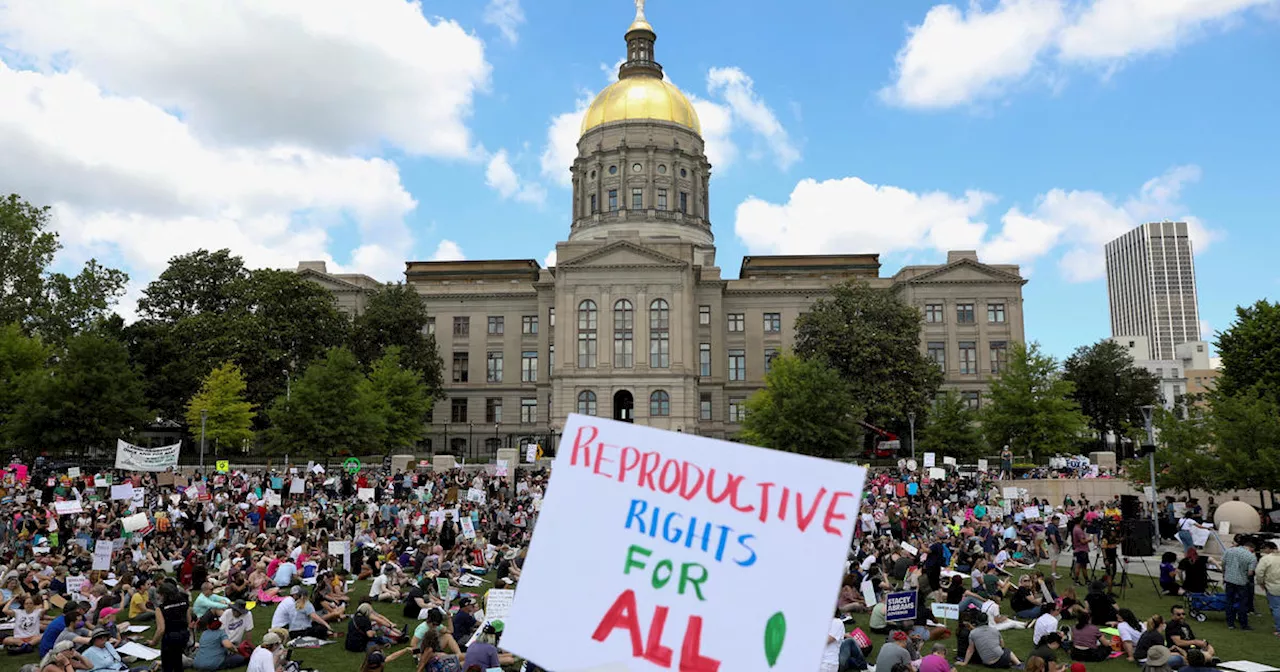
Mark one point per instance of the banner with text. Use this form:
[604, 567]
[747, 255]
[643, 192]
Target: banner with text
[136, 458]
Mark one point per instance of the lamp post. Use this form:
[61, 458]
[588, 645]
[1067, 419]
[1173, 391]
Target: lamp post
[471, 437]
[1150, 449]
[204, 417]
[911, 420]
[498, 443]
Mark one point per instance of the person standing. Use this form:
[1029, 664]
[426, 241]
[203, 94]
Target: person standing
[1267, 574]
[173, 629]
[1238, 564]
[831, 652]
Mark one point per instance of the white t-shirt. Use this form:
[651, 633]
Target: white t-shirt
[379, 585]
[262, 661]
[284, 613]
[26, 624]
[1128, 633]
[1043, 626]
[236, 626]
[1187, 525]
[831, 653]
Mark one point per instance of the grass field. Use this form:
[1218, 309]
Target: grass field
[1259, 646]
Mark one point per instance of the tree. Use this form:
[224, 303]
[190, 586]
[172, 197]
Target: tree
[872, 340]
[401, 398]
[1250, 351]
[1030, 406]
[91, 398]
[1185, 459]
[396, 316]
[804, 408]
[21, 356]
[1246, 425]
[329, 411]
[194, 283]
[229, 421]
[1110, 390]
[53, 305]
[950, 428]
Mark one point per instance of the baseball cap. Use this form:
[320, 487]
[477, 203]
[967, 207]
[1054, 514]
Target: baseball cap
[270, 638]
[466, 602]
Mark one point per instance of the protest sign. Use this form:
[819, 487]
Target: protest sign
[501, 471]
[937, 474]
[468, 528]
[910, 549]
[102, 556]
[164, 478]
[122, 491]
[365, 494]
[73, 472]
[272, 498]
[135, 522]
[946, 612]
[136, 458]
[1031, 512]
[930, 460]
[139, 498]
[67, 508]
[498, 604]
[223, 466]
[475, 495]
[442, 586]
[682, 531]
[1010, 493]
[901, 606]
[75, 584]
[982, 466]
[297, 487]
[949, 460]
[531, 453]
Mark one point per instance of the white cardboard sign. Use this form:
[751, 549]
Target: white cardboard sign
[930, 459]
[475, 495]
[682, 531]
[122, 491]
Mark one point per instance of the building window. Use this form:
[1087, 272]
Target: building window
[704, 406]
[773, 323]
[659, 404]
[637, 199]
[529, 366]
[737, 409]
[770, 354]
[623, 335]
[551, 316]
[497, 325]
[662, 199]
[613, 200]
[551, 359]
[587, 402]
[431, 326]
[529, 324]
[704, 359]
[964, 313]
[938, 353]
[458, 410]
[933, 313]
[529, 410]
[968, 357]
[659, 334]
[737, 365]
[493, 368]
[461, 361]
[971, 399]
[587, 334]
[462, 326]
[737, 322]
[594, 206]
[704, 315]
[493, 410]
[999, 355]
[684, 202]
[995, 313]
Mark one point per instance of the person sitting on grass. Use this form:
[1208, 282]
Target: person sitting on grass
[1169, 574]
[216, 651]
[383, 587]
[1180, 638]
[63, 657]
[432, 659]
[26, 621]
[987, 647]
[1086, 641]
[484, 652]
[443, 627]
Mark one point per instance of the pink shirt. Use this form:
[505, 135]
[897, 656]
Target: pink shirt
[934, 663]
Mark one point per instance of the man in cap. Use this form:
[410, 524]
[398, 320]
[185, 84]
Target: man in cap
[264, 657]
[894, 652]
[237, 622]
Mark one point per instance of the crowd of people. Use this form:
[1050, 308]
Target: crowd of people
[180, 564]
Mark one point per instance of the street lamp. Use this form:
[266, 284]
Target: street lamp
[1150, 449]
[498, 442]
[471, 436]
[204, 417]
[911, 420]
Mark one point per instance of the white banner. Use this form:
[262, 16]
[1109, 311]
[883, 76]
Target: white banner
[136, 458]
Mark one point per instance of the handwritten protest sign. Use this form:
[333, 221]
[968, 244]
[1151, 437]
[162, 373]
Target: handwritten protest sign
[297, 487]
[946, 612]
[1010, 493]
[901, 606]
[930, 459]
[468, 529]
[73, 472]
[135, 522]
[531, 453]
[102, 556]
[982, 466]
[475, 495]
[122, 491]
[682, 531]
[502, 469]
[69, 507]
[365, 494]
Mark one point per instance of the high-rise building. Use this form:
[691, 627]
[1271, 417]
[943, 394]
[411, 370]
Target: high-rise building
[1151, 284]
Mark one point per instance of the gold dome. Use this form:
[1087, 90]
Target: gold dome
[641, 98]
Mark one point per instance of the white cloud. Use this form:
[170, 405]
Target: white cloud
[448, 250]
[955, 57]
[506, 16]
[550, 260]
[328, 74]
[562, 143]
[501, 177]
[738, 91]
[851, 215]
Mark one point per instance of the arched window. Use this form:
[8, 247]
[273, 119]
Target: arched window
[623, 339]
[587, 402]
[659, 334]
[659, 404]
[492, 444]
[587, 334]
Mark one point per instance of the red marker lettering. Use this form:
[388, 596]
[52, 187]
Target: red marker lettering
[832, 516]
[583, 444]
[803, 519]
[621, 615]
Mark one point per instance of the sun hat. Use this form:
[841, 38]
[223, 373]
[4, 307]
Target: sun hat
[1157, 656]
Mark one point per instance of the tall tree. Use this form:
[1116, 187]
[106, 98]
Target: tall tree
[1030, 406]
[872, 340]
[1250, 351]
[1110, 390]
[193, 283]
[91, 398]
[1185, 458]
[228, 417]
[396, 316]
[951, 428]
[1246, 425]
[329, 412]
[804, 407]
[401, 398]
[21, 357]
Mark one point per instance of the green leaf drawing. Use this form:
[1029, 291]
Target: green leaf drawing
[775, 632]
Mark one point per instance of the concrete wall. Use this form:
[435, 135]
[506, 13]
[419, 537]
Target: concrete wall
[1098, 489]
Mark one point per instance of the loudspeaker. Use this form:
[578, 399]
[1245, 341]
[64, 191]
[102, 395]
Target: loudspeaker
[1138, 538]
[1130, 509]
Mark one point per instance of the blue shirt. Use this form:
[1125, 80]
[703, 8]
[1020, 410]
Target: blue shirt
[56, 626]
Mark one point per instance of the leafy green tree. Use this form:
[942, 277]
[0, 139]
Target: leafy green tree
[1030, 406]
[1185, 458]
[1246, 426]
[396, 316]
[1250, 351]
[872, 340]
[194, 283]
[1110, 390]
[21, 356]
[91, 398]
[804, 408]
[401, 398]
[54, 305]
[329, 412]
[950, 428]
[229, 422]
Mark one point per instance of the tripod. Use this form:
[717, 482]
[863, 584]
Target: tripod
[1127, 583]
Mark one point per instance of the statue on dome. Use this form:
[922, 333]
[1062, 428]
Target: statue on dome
[640, 9]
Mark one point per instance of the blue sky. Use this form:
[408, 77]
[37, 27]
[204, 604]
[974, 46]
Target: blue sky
[376, 132]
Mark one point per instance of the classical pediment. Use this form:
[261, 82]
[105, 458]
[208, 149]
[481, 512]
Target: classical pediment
[966, 271]
[330, 282]
[622, 254]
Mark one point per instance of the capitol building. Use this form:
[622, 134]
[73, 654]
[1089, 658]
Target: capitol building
[636, 321]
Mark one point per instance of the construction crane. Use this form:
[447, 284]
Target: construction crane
[886, 445]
